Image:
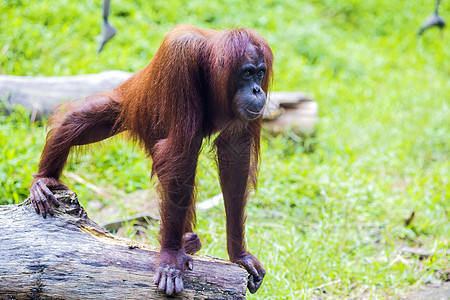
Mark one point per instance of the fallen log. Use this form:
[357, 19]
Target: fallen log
[301, 117]
[41, 94]
[68, 256]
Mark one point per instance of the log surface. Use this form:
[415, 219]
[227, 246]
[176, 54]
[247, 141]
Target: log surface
[68, 256]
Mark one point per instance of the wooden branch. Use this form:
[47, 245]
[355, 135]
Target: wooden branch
[68, 256]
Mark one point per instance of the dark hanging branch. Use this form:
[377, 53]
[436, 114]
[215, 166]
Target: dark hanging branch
[108, 31]
[434, 20]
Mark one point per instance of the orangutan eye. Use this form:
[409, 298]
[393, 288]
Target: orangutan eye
[261, 73]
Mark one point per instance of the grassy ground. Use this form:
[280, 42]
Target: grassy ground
[334, 216]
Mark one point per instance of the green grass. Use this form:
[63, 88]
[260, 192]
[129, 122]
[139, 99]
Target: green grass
[334, 215]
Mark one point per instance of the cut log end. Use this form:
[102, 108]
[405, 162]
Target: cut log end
[69, 256]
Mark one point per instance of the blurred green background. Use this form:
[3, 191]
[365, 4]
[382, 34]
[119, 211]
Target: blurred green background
[335, 215]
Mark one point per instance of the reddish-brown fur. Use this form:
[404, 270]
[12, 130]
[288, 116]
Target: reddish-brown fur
[184, 95]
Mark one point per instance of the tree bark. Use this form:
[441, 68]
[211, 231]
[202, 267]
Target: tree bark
[68, 256]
